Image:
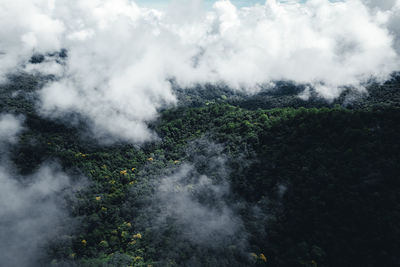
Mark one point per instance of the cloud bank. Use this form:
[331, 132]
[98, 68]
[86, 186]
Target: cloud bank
[122, 57]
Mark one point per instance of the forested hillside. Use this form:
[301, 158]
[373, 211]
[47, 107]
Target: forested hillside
[233, 180]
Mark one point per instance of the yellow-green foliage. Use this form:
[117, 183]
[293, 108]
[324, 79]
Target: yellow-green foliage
[137, 236]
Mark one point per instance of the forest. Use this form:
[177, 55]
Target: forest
[269, 179]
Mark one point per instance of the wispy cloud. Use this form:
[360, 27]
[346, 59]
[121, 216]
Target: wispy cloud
[32, 208]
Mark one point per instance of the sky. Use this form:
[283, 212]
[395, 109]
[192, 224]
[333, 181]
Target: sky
[122, 56]
[207, 3]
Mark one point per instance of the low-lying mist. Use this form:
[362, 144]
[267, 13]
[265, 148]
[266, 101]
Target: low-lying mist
[191, 212]
[33, 209]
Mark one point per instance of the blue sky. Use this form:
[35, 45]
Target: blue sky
[163, 3]
[207, 3]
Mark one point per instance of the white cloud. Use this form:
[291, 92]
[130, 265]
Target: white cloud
[26, 27]
[10, 127]
[121, 56]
